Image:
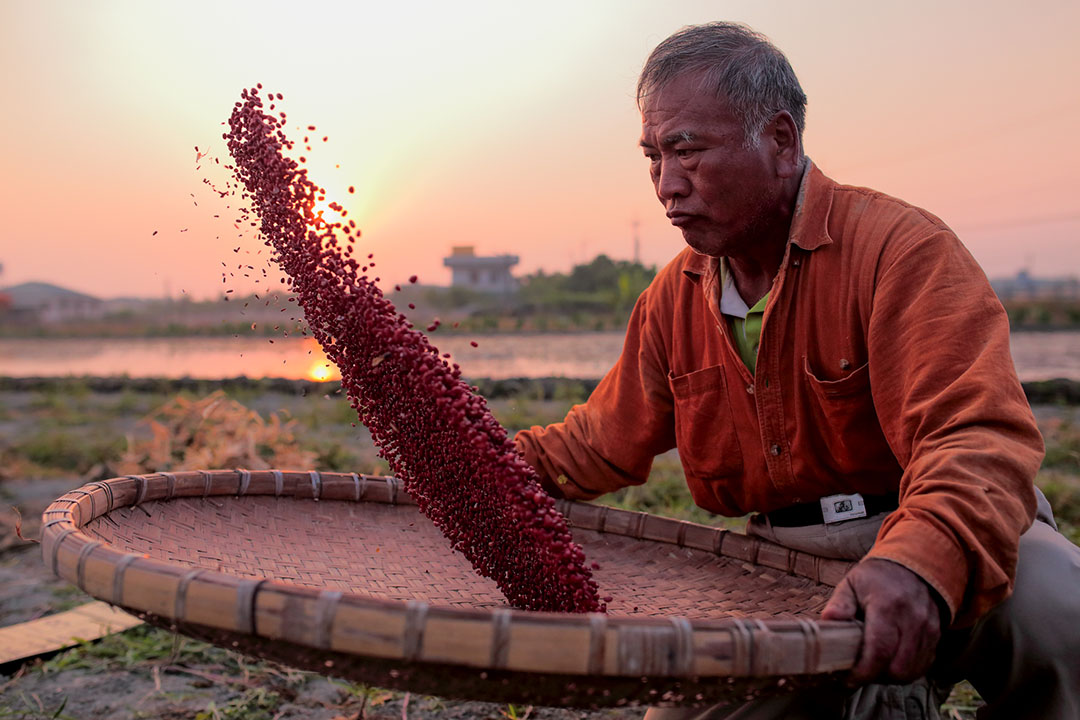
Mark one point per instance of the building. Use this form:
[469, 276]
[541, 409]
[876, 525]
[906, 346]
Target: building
[484, 273]
[45, 303]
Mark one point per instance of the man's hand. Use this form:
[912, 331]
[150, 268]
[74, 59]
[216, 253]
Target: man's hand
[901, 616]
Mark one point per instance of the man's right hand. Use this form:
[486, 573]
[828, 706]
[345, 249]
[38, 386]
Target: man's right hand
[902, 621]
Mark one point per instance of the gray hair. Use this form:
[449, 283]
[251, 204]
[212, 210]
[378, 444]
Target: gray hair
[738, 64]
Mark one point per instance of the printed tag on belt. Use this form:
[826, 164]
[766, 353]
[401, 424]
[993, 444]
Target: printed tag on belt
[837, 508]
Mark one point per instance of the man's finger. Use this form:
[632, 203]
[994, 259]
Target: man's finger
[906, 663]
[843, 605]
[917, 649]
[881, 639]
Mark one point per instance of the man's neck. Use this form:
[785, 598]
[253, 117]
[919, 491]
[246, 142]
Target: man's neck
[752, 280]
[753, 272]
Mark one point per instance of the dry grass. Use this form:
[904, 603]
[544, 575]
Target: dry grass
[212, 432]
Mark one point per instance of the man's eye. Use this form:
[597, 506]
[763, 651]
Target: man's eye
[685, 152]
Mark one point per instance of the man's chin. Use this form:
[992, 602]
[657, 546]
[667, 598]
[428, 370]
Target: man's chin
[704, 247]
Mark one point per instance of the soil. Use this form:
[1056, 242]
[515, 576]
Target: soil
[198, 692]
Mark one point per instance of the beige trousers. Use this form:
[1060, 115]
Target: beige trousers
[1023, 657]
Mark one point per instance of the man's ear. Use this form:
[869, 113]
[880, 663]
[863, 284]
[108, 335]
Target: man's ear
[783, 136]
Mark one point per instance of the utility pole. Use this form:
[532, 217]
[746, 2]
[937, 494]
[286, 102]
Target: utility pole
[637, 240]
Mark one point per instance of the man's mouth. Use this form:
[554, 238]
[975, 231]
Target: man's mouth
[680, 219]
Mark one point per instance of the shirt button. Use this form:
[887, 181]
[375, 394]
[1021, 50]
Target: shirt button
[750, 389]
[775, 450]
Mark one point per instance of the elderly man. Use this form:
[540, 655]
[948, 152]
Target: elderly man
[833, 359]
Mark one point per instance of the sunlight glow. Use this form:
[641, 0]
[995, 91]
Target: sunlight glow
[322, 371]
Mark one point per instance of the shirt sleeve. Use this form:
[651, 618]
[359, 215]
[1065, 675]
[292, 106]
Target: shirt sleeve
[609, 442]
[952, 409]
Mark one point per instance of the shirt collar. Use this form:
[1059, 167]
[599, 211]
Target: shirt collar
[809, 226]
[731, 302]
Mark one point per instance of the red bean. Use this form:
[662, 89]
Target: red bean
[435, 433]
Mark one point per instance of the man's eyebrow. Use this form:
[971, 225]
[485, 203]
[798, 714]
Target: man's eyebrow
[676, 137]
[679, 136]
[673, 138]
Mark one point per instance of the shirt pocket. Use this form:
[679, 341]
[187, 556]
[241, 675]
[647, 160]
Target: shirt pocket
[704, 431]
[847, 424]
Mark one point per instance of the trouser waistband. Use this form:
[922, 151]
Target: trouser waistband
[809, 513]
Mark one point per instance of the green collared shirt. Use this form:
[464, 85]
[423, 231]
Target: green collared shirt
[745, 321]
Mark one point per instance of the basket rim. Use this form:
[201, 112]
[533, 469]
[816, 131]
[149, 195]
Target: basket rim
[587, 644]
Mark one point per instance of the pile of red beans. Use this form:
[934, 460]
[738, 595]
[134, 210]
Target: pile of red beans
[436, 434]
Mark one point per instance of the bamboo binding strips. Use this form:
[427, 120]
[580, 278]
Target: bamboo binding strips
[341, 574]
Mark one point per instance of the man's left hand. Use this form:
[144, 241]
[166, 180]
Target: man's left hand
[901, 616]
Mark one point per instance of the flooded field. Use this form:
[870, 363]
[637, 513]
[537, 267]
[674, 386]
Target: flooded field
[1038, 356]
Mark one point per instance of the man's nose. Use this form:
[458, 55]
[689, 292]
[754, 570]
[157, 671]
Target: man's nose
[672, 181]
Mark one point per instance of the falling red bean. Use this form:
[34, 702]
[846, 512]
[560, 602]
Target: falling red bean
[435, 433]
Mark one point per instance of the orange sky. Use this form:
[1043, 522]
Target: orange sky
[512, 130]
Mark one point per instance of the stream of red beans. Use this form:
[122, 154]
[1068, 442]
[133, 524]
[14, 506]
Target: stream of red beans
[434, 431]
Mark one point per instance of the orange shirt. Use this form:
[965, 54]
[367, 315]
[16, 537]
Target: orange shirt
[884, 366]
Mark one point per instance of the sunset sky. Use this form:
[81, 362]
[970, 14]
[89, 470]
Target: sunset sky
[506, 126]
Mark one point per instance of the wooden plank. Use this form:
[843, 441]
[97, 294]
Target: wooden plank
[91, 621]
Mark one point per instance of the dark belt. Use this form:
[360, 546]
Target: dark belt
[810, 513]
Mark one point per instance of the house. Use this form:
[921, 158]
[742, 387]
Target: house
[484, 273]
[47, 304]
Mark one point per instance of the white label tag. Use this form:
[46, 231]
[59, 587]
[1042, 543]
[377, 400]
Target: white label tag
[837, 508]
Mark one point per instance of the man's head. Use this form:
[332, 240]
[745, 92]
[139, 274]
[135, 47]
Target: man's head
[735, 64]
[724, 149]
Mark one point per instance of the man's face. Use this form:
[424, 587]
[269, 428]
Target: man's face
[723, 196]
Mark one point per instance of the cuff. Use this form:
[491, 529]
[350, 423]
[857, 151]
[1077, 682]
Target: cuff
[930, 553]
[551, 486]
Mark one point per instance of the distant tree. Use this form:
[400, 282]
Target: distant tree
[597, 286]
[602, 273]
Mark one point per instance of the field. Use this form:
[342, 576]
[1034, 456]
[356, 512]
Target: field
[62, 434]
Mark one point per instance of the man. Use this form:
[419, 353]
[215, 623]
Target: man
[823, 341]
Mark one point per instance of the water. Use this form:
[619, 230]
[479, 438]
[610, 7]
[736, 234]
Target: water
[586, 355]
[1038, 356]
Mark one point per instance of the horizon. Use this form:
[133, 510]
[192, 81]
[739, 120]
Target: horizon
[388, 288]
[511, 130]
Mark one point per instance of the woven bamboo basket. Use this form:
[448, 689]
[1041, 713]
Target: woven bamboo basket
[341, 574]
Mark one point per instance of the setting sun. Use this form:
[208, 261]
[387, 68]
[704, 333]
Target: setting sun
[322, 371]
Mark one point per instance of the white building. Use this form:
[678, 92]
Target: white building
[490, 273]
